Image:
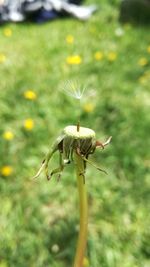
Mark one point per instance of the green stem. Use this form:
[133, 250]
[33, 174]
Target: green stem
[82, 238]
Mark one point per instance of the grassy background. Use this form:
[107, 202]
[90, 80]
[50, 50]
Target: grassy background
[38, 216]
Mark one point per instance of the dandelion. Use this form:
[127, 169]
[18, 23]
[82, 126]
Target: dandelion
[74, 60]
[143, 61]
[148, 49]
[30, 95]
[7, 32]
[75, 144]
[2, 58]
[6, 170]
[112, 56]
[69, 39]
[8, 135]
[29, 124]
[88, 107]
[98, 55]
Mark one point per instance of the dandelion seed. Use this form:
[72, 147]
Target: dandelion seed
[69, 39]
[2, 58]
[29, 124]
[7, 32]
[74, 60]
[112, 56]
[98, 55]
[30, 95]
[6, 170]
[143, 61]
[8, 135]
[74, 90]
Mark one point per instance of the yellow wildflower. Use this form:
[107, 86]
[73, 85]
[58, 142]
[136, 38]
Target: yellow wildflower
[88, 107]
[74, 60]
[112, 56]
[6, 170]
[143, 61]
[7, 32]
[85, 262]
[8, 135]
[98, 55]
[28, 124]
[69, 39]
[148, 49]
[2, 58]
[30, 95]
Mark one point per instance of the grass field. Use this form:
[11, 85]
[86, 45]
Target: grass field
[39, 219]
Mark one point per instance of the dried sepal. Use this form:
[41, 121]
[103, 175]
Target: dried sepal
[72, 140]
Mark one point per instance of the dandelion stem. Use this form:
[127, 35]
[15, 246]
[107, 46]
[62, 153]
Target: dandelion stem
[78, 126]
[83, 205]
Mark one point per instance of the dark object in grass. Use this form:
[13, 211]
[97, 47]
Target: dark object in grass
[41, 11]
[135, 11]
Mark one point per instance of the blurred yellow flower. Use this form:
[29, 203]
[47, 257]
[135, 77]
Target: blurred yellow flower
[29, 124]
[69, 39]
[142, 79]
[6, 170]
[85, 262]
[112, 56]
[98, 55]
[2, 58]
[74, 60]
[148, 49]
[145, 78]
[88, 107]
[7, 32]
[30, 95]
[8, 135]
[143, 61]
[3, 263]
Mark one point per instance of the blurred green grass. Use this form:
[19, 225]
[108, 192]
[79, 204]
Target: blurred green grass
[36, 215]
